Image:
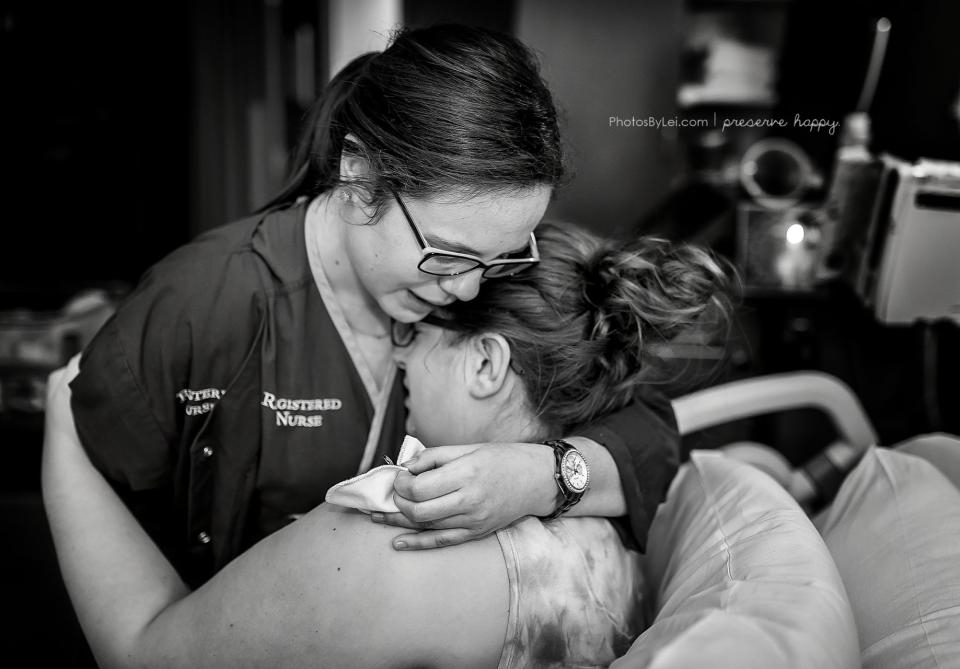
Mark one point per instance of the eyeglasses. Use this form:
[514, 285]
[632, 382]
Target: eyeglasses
[451, 263]
[403, 334]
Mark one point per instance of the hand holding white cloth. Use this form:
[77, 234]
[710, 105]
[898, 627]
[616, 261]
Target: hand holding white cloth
[373, 490]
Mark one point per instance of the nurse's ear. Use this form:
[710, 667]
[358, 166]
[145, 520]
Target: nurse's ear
[354, 171]
[487, 365]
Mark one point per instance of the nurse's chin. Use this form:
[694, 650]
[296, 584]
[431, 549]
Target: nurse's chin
[403, 310]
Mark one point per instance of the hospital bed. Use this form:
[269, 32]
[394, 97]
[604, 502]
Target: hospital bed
[740, 575]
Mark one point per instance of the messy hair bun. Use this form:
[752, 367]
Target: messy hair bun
[585, 325]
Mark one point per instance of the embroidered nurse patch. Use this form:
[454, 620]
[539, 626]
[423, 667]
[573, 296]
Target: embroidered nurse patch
[200, 401]
[299, 412]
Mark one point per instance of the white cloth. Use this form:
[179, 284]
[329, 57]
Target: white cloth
[373, 490]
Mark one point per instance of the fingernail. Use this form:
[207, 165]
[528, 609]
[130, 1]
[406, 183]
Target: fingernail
[376, 517]
[400, 545]
[410, 462]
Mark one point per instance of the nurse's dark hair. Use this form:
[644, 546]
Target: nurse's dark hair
[591, 324]
[449, 108]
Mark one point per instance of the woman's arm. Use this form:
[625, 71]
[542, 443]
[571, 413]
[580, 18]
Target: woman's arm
[459, 493]
[325, 591]
[107, 561]
[644, 442]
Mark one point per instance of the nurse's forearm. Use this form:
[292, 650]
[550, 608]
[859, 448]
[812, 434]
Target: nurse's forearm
[118, 580]
[605, 495]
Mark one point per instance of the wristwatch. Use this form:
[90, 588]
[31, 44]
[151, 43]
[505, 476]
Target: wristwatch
[572, 475]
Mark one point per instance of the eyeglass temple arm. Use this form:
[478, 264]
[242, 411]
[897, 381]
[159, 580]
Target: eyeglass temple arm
[406, 215]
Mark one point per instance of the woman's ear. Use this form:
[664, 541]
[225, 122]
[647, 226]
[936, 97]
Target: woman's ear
[353, 167]
[487, 365]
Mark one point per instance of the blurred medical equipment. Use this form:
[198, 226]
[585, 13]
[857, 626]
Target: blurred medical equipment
[855, 170]
[815, 482]
[905, 259]
[776, 248]
[892, 228]
[777, 173]
[889, 228]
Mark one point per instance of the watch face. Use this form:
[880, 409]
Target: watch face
[575, 472]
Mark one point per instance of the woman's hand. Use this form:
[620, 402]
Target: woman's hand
[460, 493]
[58, 417]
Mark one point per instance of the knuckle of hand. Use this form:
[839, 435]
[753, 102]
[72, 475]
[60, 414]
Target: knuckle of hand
[475, 509]
[415, 490]
[402, 486]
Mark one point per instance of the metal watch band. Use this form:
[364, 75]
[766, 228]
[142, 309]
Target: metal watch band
[570, 497]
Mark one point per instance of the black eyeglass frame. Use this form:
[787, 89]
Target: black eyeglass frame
[429, 252]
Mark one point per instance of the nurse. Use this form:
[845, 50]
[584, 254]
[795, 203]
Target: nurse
[252, 369]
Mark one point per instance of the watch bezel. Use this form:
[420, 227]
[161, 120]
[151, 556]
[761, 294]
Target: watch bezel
[569, 496]
[573, 454]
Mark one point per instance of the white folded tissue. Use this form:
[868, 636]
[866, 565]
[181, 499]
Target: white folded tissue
[373, 490]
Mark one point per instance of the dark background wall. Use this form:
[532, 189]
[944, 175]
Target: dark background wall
[597, 68]
[95, 137]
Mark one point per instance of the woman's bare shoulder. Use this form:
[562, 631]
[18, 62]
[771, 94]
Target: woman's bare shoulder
[330, 589]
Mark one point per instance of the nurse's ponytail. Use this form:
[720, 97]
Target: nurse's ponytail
[316, 157]
[445, 109]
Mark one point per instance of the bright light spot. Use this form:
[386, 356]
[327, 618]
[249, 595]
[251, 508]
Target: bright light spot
[795, 234]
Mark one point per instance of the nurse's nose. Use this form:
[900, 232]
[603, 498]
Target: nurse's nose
[464, 286]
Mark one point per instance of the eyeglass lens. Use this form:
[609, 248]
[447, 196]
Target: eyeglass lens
[441, 265]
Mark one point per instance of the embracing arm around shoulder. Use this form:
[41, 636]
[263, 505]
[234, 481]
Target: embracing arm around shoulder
[327, 590]
[459, 493]
[643, 441]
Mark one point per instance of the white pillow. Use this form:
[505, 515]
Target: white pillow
[740, 578]
[939, 449]
[894, 531]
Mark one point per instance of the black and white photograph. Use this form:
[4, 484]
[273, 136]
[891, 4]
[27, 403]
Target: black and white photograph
[507, 334]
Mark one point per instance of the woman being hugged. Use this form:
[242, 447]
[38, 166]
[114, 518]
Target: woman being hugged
[561, 346]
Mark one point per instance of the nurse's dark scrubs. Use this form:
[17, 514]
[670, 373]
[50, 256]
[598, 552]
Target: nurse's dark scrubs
[228, 393]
